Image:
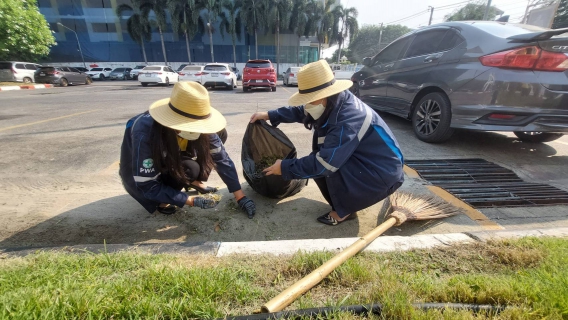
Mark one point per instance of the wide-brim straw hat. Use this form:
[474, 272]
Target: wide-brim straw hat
[188, 109]
[316, 81]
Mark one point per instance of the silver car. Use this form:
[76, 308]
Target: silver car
[18, 71]
[120, 73]
[291, 76]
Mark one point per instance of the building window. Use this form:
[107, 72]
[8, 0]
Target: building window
[104, 27]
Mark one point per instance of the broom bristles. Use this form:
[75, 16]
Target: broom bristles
[420, 207]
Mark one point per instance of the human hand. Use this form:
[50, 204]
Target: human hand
[259, 116]
[205, 203]
[248, 206]
[275, 169]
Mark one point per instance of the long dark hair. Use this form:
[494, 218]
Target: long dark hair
[310, 122]
[200, 149]
[165, 152]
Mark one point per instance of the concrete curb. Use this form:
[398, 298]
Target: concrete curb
[286, 247]
[34, 86]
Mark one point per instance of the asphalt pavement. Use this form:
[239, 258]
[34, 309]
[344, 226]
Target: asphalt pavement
[60, 151]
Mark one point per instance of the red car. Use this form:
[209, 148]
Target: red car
[259, 74]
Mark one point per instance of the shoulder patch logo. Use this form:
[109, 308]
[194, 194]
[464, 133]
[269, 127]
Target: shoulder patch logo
[148, 163]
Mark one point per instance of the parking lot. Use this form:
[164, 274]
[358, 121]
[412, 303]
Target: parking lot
[60, 150]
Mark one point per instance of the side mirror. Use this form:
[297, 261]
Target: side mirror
[367, 62]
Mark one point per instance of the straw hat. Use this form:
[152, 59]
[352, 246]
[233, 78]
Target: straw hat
[188, 109]
[316, 81]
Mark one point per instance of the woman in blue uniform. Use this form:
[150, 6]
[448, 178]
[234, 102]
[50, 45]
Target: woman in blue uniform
[356, 161]
[174, 146]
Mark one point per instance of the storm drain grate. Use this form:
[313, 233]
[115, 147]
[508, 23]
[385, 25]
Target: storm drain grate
[484, 184]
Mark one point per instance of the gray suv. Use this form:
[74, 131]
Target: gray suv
[62, 76]
[479, 75]
[18, 71]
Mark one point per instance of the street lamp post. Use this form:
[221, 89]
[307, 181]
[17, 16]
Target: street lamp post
[81, 51]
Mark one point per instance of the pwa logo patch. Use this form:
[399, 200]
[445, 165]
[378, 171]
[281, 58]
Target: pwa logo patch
[148, 165]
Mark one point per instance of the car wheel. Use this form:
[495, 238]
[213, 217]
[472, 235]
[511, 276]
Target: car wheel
[432, 117]
[63, 82]
[101, 77]
[27, 80]
[537, 136]
[232, 85]
[167, 82]
[273, 89]
[355, 89]
[144, 84]
[88, 80]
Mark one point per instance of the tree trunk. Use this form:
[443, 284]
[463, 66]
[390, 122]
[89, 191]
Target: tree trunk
[319, 49]
[234, 54]
[186, 38]
[255, 44]
[163, 45]
[211, 43]
[339, 52]
[144, 52]
[278, 48]
[298, 53]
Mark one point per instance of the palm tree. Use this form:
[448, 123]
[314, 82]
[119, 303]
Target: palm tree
[299, 23]
[321, 16]
[159, 9]
[254, 18]
[347, 18]
[231, 23]
[277, 13]
[138, 28]
[211, 10]
[185, 18]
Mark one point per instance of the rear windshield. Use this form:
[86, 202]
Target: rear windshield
[97, 69]
[46, 69]
[192, 68]
[215, 68]
[153, 68]
[258, 64]
[139, 67]
[507, 30]
[294, 69]
[5, 65]
[119, 69]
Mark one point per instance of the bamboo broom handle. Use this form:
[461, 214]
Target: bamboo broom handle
[286, 297]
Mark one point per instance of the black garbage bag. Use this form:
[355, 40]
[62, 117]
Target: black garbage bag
[262, 140]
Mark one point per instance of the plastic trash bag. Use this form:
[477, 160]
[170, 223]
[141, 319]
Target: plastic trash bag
[263, 140]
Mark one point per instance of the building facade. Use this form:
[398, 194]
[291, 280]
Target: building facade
[103, 38]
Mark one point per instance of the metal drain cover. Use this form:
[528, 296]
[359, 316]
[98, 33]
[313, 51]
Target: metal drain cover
[484, 184]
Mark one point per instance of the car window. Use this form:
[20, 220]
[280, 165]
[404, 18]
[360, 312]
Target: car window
[170, 69]
[192, 68]
[20, 66]
[426, 42]
[5, 65]
[97, 69]
[108, 69]
[450, 40]
[64, 69]
[152, 69]
[74, 70]
[30, 66]
[46, 69]
[139, 67]
[119, 70]
[258, 64]
[294, 70]
[392, 52]
[215, 68]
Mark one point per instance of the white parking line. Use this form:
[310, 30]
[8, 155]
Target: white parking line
[562, 142]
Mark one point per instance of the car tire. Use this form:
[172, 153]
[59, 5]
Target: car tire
[63, 82]
[88, 80]
[232, 87]
[537, 136]
[431, 118]
[101, 77]
[27, 80]
[273, 89]
[167, 82]
[144, 84]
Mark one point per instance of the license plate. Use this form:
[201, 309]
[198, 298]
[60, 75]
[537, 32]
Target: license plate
[214, 74]
[42, 74]
[258, 80]
[148, 74]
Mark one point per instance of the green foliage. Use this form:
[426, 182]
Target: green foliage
[366, 43]
[561, 19]
[24, 33]
[473, 11]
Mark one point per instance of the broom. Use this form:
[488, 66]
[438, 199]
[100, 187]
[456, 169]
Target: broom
[405, 207]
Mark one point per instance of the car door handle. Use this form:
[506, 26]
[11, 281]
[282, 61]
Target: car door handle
[431, 58]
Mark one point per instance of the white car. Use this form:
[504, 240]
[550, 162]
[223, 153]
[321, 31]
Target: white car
[291, 76]
[218, 75]
[191, 73]
[99, 73]
[134, 72]
[158, 75]
[18, 71]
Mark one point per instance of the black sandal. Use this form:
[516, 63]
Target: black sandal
[169, 209]
[330, 221]
[205, 190]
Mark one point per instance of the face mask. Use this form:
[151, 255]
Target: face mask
[314, 110]
[189, 135]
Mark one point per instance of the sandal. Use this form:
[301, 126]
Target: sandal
[169, 209]
[205, 190]
[330, 221]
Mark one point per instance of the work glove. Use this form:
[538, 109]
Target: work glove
[248, 206]
[204, 203]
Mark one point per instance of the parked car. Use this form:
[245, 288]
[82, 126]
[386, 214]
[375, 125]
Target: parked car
[218, 75]
[191, 73]
[237, 73]
[157, 74]
[82, 69]
[99, 73]
[480, 75]
[259, 74]
[62, 76]
[134, 72]
[120, 73]
[181, 67]
[291, 76]
[18, 71]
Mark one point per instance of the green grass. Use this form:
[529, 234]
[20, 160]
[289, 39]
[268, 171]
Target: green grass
[530, 276]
